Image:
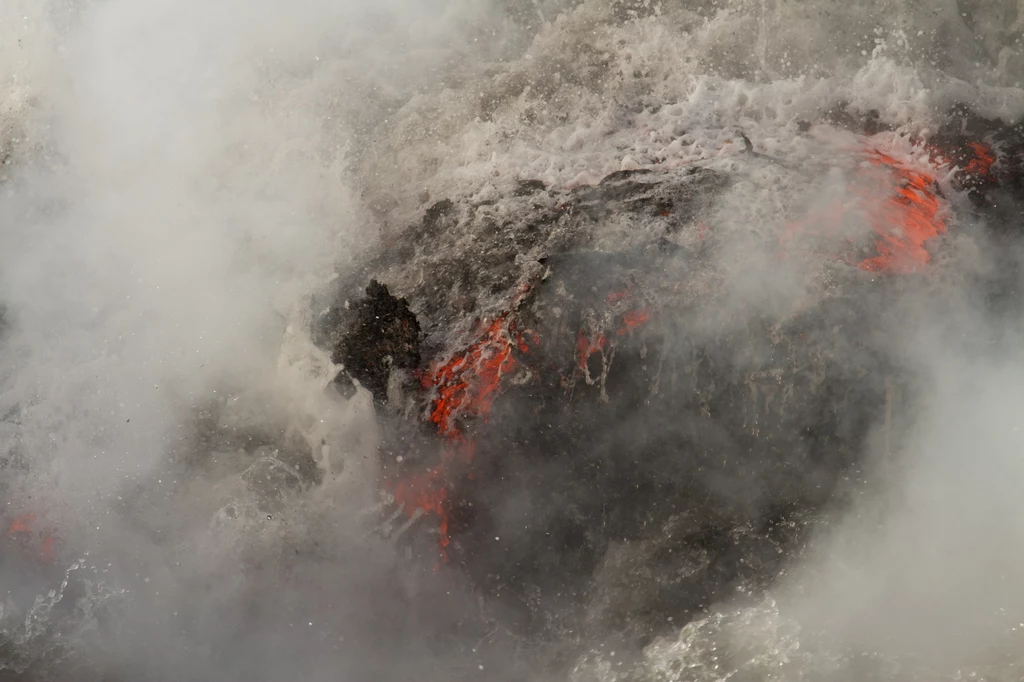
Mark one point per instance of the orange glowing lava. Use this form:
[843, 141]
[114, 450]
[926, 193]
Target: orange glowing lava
[48, 550]
[900, 207]
[632, 320]
[616, 296]
[981, 164]
[975, 161]
[466, 386]
[468, 383]
[905, 221]
[22, 526]
[585, 347]
[426, 492]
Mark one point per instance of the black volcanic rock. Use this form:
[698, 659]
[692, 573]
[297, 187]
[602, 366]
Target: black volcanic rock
[651, 441]
[628, 402]
[383, 334]
[631, 401]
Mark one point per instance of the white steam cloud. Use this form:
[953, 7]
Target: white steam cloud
[180, 176]
[176, 184]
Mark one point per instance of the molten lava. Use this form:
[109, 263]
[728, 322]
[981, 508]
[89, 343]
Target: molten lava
[900, 207]
[585, 347]
[21, 527]
[466, 386]
[973, 159]
[632, 320]
[905, 221]
[898, 203]
[616, 296]
[981, 164]
[21, 524]
[468, 383]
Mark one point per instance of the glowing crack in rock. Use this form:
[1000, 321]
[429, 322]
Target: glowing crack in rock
[901, 207]
[466, 386]
[905, 221]
[633, 319]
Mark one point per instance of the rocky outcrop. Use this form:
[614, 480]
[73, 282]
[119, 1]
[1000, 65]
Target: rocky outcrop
[605, 433]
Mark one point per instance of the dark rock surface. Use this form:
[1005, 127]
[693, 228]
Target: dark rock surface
[384, 335]
[649, 444]
[629, 406]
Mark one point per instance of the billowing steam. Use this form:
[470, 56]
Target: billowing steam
[177, 182]
[182, 180]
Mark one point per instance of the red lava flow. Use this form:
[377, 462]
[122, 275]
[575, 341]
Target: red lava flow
[466, 385]
[901, 208]
[23, 525]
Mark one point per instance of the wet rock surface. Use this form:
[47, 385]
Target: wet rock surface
[640, 447]
[630, 400]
